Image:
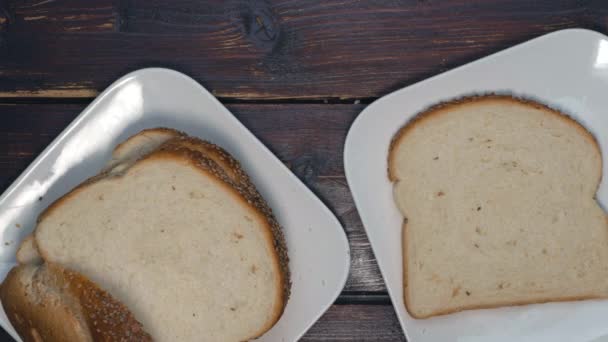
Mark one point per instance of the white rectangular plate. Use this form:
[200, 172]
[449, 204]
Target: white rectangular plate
[567, 70]
[317, 245]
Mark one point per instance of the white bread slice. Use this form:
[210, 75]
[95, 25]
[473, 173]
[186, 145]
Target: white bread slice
[123, 156]
[145, 142]
[139, 145]
[498, 195]
[28, 252]
[48, 303]
[176, 240]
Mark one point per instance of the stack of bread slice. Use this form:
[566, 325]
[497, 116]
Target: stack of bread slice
[172, 228]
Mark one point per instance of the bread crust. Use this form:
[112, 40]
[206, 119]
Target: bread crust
[441, 109]
[194, 151]
[49, 303]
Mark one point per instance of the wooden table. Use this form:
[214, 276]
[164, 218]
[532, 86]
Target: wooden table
[296, 73]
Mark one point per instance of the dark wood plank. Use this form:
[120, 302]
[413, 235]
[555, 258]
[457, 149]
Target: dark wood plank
[45, 16]
[273, 49]
[357, 323]
[310, 141]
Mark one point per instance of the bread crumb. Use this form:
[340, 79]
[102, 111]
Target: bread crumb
[544, 251]
[173, 187]
[440, 193]
[254, 268]
[436, 158]
[468, 293]
[479, 208]
[17, 225]
[232, 309]
[194, 194]
[476, 245]
[455, 291]
[100, 197]
[434, 277]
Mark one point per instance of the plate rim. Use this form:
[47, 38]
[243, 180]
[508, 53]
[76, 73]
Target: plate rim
[355, 127]
[341, 236]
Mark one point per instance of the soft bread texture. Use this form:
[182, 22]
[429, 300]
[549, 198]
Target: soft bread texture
[146, 141]
[498, 196]
[123, 156]
[140, 145]
[28, 252]
[48, 303]
[193, 252]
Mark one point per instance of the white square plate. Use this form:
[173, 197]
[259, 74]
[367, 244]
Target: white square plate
[567, 70]
[317, 245]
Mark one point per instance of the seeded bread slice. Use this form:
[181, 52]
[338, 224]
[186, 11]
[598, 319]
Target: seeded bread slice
[48, 303]
[146, 141]
[499, 196]
[189, 225]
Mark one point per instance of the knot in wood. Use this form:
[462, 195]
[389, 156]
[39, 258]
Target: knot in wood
[264, 27]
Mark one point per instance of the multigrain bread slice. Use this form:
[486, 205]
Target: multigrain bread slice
[48, 303]
[186, 248]
[498, 196]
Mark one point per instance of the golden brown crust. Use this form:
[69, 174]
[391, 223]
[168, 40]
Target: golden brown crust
[231, 167]
[34, 318]
[106, 317]
[203, 154]
[50, 303]
[157, 130]
[404, 268]
[441, 109]
[498, 305]
[444, 107]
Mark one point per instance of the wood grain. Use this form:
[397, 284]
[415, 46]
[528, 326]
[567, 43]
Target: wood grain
[357, 323]
[43, 16]
[310, 141]
[273, 49]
